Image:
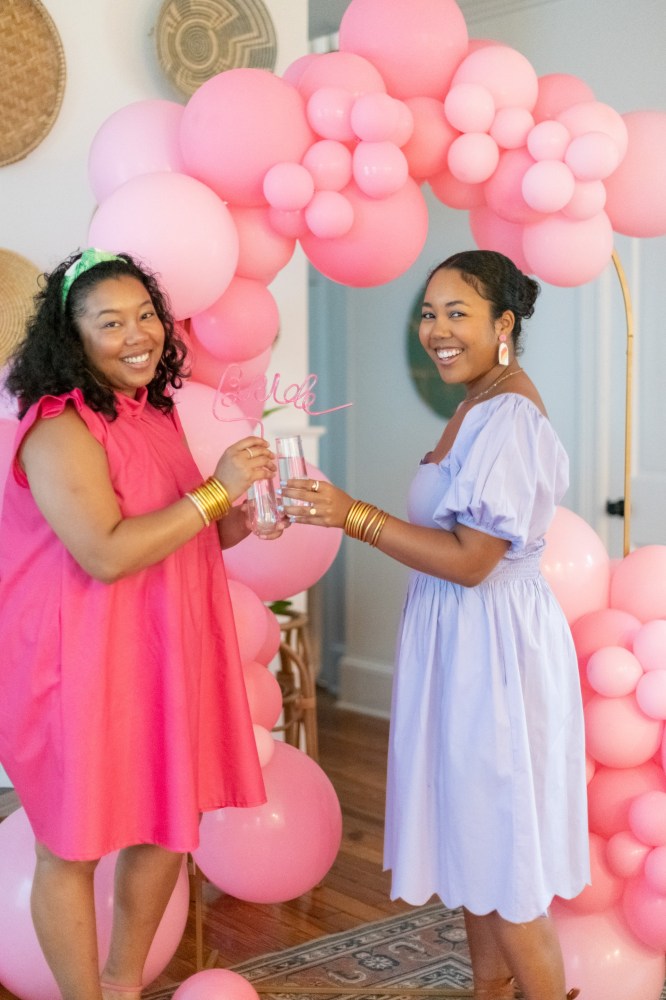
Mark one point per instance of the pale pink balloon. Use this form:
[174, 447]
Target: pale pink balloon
[588, 199]
[265, 744]
[592, 156]
[594, 116]
[613, 789]
[575, 563]
[341, 69]
[180, 228]
[548, 186]
[568, 252]
[213, 984]
[618, 733]
[469, 107]
[650, 645]
[645, 912]
[141, 138]
[289, 224]
[207, 436]
[405, 127]
[398, 224]
[639, 583]
[456, 193]
[249, 619]
[504, 190]
[263, 694]
[329, 215]
[492, 233]
[330, 165]
[606, 627]
[626, 854]
[511, 127]
[380, 168]
[241, 324]
[329, 113]
[262, 252]
[428, 145]
[236, 126]
[473, 157]
[272, 638]
[636, 191]
[604, 959]
[655, 870]
[548, 141]
[613, 671]
[605, 887]
[651, 694]
[288, 186]
[558, 91]
[507, 73]
[375, 117]
[416, 49]
[297, 68]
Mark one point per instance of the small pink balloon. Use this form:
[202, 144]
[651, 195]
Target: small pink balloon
[655, 870]
[558, 91]
[428, 145]
[330, 164]
[613, 671]
[651, 694]
[216, 984]
[605, 887]
[588, 199]
[289, 224]
[375, 117]
[241, 324]
[618, 733]
[262, 252]
[249, 618]
[626, 854]
[548, 141]
[455, 193]
[288, 186]
[473, 157]
[650, 645]
[492, 233]
[594, 116]
[636, 191]
[380, 168]
[469, 107]
[329, 215]
[263, 694]
[606, 627]
[645, 912]
[341, 69]
[592, 156]
[504, 190]
[508, 75]
[639, 583]
[569, 252]
[272, 639]
[265, 744]
[511, 127]
[612, 790]
[575, 563]
[548, 186]
[329, 113]
[405, 127]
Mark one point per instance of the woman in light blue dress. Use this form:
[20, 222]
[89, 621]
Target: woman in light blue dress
[486, 794]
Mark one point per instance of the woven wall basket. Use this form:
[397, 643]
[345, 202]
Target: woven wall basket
[32, 77]
[197, 39]
[18, 287]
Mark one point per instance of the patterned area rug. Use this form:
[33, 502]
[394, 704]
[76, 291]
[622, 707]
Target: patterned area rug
[422, 954]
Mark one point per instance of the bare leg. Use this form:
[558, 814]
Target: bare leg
[63, 912]
[492, 976]
[145, 879]
[533, 952]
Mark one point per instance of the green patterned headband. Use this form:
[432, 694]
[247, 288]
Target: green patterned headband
[89, 258]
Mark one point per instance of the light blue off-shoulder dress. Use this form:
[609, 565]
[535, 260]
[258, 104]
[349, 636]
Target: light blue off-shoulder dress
[486, 794]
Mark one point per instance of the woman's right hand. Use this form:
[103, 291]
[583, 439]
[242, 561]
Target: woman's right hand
[243, 463]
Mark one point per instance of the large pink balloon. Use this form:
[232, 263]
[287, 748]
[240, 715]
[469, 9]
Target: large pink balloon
[341, 69]
[236, 126]
[492, 233]
[278, 851]
[397, 224]
[216, 984]
[426, 149]
[612, 790]
[636, 202]
[650, 645]
[207, 436]
[576, 565]
[455, 193]
[141, 138]
[645, 912]
[618, 733]
[639, 583]
[604, 959]
[241, 324]
[558, 91]
[605, 888]
[263, 694]
[594, 116]
[416, 49]
[180, 228]
[607, 627]
[569, 252]
[505, 72]
[262, 252]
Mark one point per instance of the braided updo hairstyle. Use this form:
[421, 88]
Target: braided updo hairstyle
[497, 279]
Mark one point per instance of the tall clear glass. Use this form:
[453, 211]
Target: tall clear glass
[262, 508]
[291, 462]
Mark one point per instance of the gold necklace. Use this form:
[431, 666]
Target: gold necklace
[500, 379]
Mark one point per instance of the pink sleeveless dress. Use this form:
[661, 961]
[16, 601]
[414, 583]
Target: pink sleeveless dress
[123, 711]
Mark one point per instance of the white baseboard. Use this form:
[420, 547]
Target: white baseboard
[365, 686]
[4, 780]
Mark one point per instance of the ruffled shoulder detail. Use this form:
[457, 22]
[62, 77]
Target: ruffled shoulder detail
[507, 471]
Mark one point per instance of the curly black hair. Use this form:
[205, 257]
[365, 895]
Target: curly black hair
[51, 360]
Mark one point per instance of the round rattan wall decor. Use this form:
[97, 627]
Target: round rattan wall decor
[197, 39]
[18, 287]
[32, 77]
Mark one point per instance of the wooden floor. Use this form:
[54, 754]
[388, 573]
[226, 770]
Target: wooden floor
[355, 891]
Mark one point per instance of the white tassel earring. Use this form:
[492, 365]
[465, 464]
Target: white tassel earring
[503, 352]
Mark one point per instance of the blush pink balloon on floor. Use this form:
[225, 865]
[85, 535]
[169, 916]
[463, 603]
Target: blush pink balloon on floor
[576, 565]
[216, 984]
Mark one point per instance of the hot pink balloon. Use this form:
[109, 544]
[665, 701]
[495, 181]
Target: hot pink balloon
[508, 75]
[504, 190]
[548, 186]
[341, 69]
[282, 849]
[473, 157]
[594, 116]
[380, 168]
[249, 619]
[469, 107]
[651, 694]
[639, 583]
[618, 734]
[613, 671]
[636, 202]
[416, 49]
[612, 790]
[592, 157]
[492, 233]
[650, 645]
[647, 818]
[607, 627]
[216, 984]
[626, 854]
[511, 127]
[236, 126]
[548, 141]
[288, 186]
[330, 165]
[329, 215]
[262, 252]
[375, 117]
[605, 888]
[569, 252]
[456, 193]
[141, 138]
[588, 199]
[207, 436]
[177, 226]
[558, 91]
[655, 870]
[263, 694]
[398, 224]
[329, 113]
[645, 913]
[241, 324]
[426, 149]
[575, 564]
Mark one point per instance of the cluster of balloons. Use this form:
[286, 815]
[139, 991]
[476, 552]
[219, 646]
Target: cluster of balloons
[614, 932]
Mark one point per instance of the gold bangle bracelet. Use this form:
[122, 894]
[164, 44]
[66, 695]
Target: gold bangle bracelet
[199, 507]
[211, 500]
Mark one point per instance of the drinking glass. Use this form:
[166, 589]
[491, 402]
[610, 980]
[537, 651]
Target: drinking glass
[262, 508]
[291, 462]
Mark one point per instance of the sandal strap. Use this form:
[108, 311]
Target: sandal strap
[117, 988]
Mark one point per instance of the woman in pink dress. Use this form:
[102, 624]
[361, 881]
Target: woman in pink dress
[123, 711]
[486, 803]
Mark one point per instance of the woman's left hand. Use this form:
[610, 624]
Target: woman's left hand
[323, 503]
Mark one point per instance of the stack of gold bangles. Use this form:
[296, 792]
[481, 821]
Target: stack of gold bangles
[365, 522]
[211, 500]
